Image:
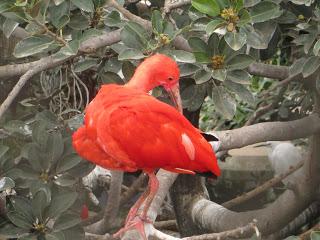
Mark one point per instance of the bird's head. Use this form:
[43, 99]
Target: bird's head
[158, 70]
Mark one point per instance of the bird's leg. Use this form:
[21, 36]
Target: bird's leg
[134, 209]
[135, 221]
[153, 186]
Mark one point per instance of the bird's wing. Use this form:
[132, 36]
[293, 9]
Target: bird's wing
[153, 135]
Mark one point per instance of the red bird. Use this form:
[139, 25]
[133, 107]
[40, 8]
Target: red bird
[127, 129]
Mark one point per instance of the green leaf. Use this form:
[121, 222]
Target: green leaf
[315, 235]
[209, 7]
[19, 220]
[239, 76]
[202, 57]
[22, 206]
[28, 172]
[84, 5]
[182, 56]
[224, 102]
[311, 65]
[111, 77]
[202, 76]
[193, 96]
[66, 221]
[251, 3]
[235, 40]
[128, 70]
[71, 49]
[219, 74]
[35, 156]
[134, 35]
[316, 48]
[240, 61]
[68, 162]
[240, 90]
[157, 21]
[9, 231]
[297, 66]
[264, 11]
[213, 25]
[3, 150]
[54, 148]
[244, 16]
[113, 19]
[5, 5]
[32, 45]
[187, 69]
[130, 53]
[198, 45]
[60, 203]
[84, 65]
[9, 26]
[65, 180]
[55, 236]
[40, 201]
[30, 236]
[6, 183]
[79, 22]
[61, 22]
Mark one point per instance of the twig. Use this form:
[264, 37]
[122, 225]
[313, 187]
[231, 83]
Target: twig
[50, 33]
[168, 224]
[272, 182]
[264, 109]
[91, 236]
[129, 15]
[282, 83]
[306, 235]
[133, 189]
[171, 4]
[24, 79]
[240, 232]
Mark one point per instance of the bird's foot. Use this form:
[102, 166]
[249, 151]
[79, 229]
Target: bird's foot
[136, 223]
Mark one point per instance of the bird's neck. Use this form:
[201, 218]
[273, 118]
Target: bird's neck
[141, 80]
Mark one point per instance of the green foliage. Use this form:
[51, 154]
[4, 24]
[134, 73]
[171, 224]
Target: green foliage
[225, 36]
[49, 170]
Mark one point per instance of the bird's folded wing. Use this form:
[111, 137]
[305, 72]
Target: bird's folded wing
[153, 134]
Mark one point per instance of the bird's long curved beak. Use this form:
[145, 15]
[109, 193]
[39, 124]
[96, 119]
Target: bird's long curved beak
[174, 94]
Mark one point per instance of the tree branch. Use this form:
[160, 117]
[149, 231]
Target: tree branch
[268, 131]
[112, 208]
[270, 71]
[270, 183]
[45, 63]
[171, 4]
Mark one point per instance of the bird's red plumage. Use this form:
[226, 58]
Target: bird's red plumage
[127, 129]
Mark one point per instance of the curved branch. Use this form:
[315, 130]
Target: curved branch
[268, 131]
[270, 183]
[270, 71]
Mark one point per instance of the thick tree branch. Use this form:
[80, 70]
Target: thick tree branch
[268, 131]
[270, 71]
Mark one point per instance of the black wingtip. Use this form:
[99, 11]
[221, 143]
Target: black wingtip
[209, 137]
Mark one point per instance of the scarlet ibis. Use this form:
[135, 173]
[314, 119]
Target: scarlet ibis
[127, 129]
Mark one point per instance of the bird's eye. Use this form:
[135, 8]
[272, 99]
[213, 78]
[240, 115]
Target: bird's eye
[170, 78]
